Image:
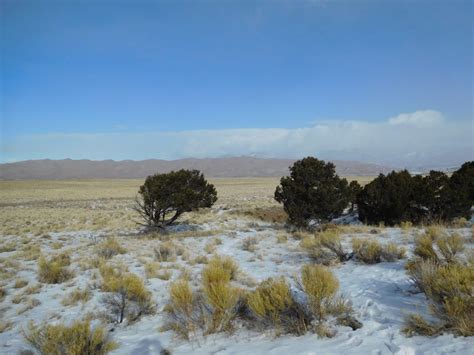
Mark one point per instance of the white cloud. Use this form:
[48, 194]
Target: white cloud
[410, 139]
[418, 118]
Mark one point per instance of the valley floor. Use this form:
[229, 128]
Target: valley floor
[382, 294]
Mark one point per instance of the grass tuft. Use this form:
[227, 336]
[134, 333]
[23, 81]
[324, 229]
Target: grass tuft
[76, 339]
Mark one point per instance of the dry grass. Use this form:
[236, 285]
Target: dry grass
[54, 270]
[440, 247]
[324, 247]
[250, 244]
[220, 268]
[448, 287]
[367, 251]
[129, 297]
[181, 309]
[76, 339]
[109, 248]
[77, 296]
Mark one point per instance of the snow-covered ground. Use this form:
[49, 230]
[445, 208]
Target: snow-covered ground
[381, 294]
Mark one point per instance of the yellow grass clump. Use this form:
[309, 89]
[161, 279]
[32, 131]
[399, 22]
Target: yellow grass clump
[448, 288]
[321, 287]
[77, 339]
[77, 296]
[109, 248]
[219, 293]
[367, 251]
[54, 270]
[270, 299]
[129, 296]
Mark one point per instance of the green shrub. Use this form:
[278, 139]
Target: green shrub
[77, 339]
[165, 197]
[312, 192]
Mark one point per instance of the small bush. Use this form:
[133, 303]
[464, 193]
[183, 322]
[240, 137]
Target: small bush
[367, 251]
[417, 325]
[325, 247]
[250, 244]
[220, 295]
[181, 309]
[152, 269]
[76, 296]
[450, 246]
[272, 305]
[218, 265]
[20, 283]
[129, 297]
[55, 269]
[320, 286]
[77, 339]
[449, 289]
[439, 248]
[165, 252]
[109, 248]
[271, 298]
[391, 252]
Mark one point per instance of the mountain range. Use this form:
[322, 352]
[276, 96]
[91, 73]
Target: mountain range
[211, 167]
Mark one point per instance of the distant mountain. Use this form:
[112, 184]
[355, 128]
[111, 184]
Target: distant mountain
[211, 167]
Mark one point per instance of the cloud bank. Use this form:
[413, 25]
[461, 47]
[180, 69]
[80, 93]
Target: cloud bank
[418, 139]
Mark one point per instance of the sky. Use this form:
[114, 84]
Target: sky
[388, 82]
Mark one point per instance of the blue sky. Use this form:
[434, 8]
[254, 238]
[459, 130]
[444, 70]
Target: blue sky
[109, 71]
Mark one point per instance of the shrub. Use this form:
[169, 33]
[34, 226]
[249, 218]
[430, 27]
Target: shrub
[439, 249]
[76, 339]
[76, 296]
[220, 295]
[367, 251]
[165, 252]
[109, 248]
[325, 247]
[450, 246]
[219, 269]
[320, 285]
[391, 252]
[55, 269]
[152, 269]
[312, 193]
[399, 197]
[128, 296]
[164, 197]
[462, 185]
[249, 244]
[449, 291]
[270, 301]
[387, 199]
[181, 309]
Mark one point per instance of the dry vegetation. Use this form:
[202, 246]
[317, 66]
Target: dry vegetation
[209, 292]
